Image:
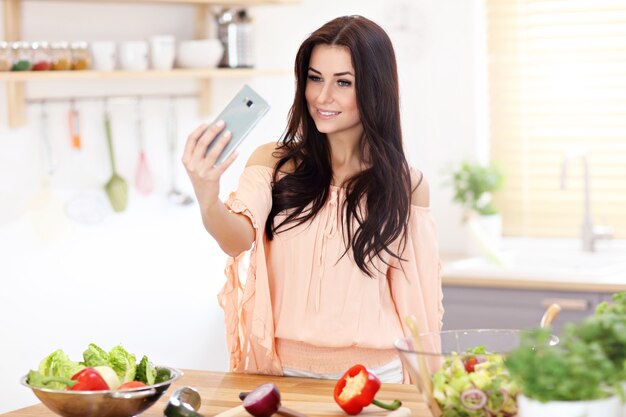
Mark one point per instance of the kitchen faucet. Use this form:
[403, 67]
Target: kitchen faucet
[590, 233]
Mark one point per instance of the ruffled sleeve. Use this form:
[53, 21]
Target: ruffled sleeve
[247, 305]
[416, 282]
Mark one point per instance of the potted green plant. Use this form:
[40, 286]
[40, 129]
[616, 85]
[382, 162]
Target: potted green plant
[572, 378]
[473, 185]
[607, 327]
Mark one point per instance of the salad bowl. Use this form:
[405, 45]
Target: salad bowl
[462, 372]
[110, 403]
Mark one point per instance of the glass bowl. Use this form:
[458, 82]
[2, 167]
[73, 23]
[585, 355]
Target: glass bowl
[464, 370]
[111, 403]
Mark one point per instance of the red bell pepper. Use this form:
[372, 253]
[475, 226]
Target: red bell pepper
[356, 389]
[88, 379]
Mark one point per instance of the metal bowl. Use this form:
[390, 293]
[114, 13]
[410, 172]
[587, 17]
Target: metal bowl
[111, 403]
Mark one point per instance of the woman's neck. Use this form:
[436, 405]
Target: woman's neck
[346, 156]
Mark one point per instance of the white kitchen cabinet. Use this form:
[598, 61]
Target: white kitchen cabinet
[15, 81]
[469, 307]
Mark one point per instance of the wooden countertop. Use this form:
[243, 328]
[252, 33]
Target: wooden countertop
[220, 391]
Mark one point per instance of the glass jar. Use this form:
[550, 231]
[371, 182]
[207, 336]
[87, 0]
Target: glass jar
[61, 56]
[6, 56]
[42, 59]
[22, 56]
[81, 59]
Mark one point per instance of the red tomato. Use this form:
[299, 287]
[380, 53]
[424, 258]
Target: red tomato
[469, 363]
[132, 384]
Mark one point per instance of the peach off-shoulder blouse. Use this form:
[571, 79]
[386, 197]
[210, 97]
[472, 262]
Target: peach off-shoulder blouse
[296, 302]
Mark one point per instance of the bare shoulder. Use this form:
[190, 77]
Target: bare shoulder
[420, 195]
[265, 155]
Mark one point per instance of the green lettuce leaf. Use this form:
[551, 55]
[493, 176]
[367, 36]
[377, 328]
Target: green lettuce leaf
[95, 356]
[58, 364]
[123, 363]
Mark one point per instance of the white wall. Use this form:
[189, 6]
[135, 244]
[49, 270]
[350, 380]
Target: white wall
[148, 277]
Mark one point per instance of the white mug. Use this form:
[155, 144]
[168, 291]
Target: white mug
[162, 52]
[104, 55]
[133, 55]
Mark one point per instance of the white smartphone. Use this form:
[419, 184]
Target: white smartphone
[240, 115]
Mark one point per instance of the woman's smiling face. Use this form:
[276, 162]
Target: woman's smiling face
[330, 92]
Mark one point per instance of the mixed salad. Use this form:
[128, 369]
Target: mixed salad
[99, 370]
[475, 384]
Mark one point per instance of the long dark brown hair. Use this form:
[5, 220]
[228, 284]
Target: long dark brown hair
[376, 208]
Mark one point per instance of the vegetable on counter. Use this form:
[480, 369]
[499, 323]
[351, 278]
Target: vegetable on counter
[99, 370]
[356, 389]
[264, 400]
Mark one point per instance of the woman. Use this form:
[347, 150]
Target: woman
[342, 243]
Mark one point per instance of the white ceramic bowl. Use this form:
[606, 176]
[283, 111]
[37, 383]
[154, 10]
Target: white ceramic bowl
[203, 53]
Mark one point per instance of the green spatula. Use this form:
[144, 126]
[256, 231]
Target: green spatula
[117, 187]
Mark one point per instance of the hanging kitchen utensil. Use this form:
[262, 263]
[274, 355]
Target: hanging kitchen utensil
[74, 119]
[174, 195]
[46, 208]
[117, 187]
[143, 177]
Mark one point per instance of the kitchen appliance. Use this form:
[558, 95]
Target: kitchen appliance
[235, 31]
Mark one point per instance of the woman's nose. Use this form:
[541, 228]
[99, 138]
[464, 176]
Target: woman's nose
[325, 95]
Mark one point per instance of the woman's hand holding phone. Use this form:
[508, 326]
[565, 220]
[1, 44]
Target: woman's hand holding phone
[202, 169]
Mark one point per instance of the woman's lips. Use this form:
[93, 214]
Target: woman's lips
[326, 114]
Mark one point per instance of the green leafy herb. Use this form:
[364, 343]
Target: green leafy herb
[572, 370]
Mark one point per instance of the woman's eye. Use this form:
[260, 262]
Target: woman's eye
[314, 78]
[344, 83]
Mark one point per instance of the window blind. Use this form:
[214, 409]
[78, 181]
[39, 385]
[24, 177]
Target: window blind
[557, 92]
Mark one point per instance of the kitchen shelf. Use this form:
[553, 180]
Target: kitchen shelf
[245, 3]
[14, 76]
[15, 81]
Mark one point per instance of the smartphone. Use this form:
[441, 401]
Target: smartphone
[240, 115]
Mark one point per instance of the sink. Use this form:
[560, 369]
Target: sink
[555, 259]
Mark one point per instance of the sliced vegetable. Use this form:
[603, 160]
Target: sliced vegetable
[146, 372]
[263, 401]
[287, 412]
[89, 379]
[356, 389]
[109, 375]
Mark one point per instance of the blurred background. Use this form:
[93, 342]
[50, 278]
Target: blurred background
[532, 88]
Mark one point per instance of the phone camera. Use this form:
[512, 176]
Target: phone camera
[248, 102]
